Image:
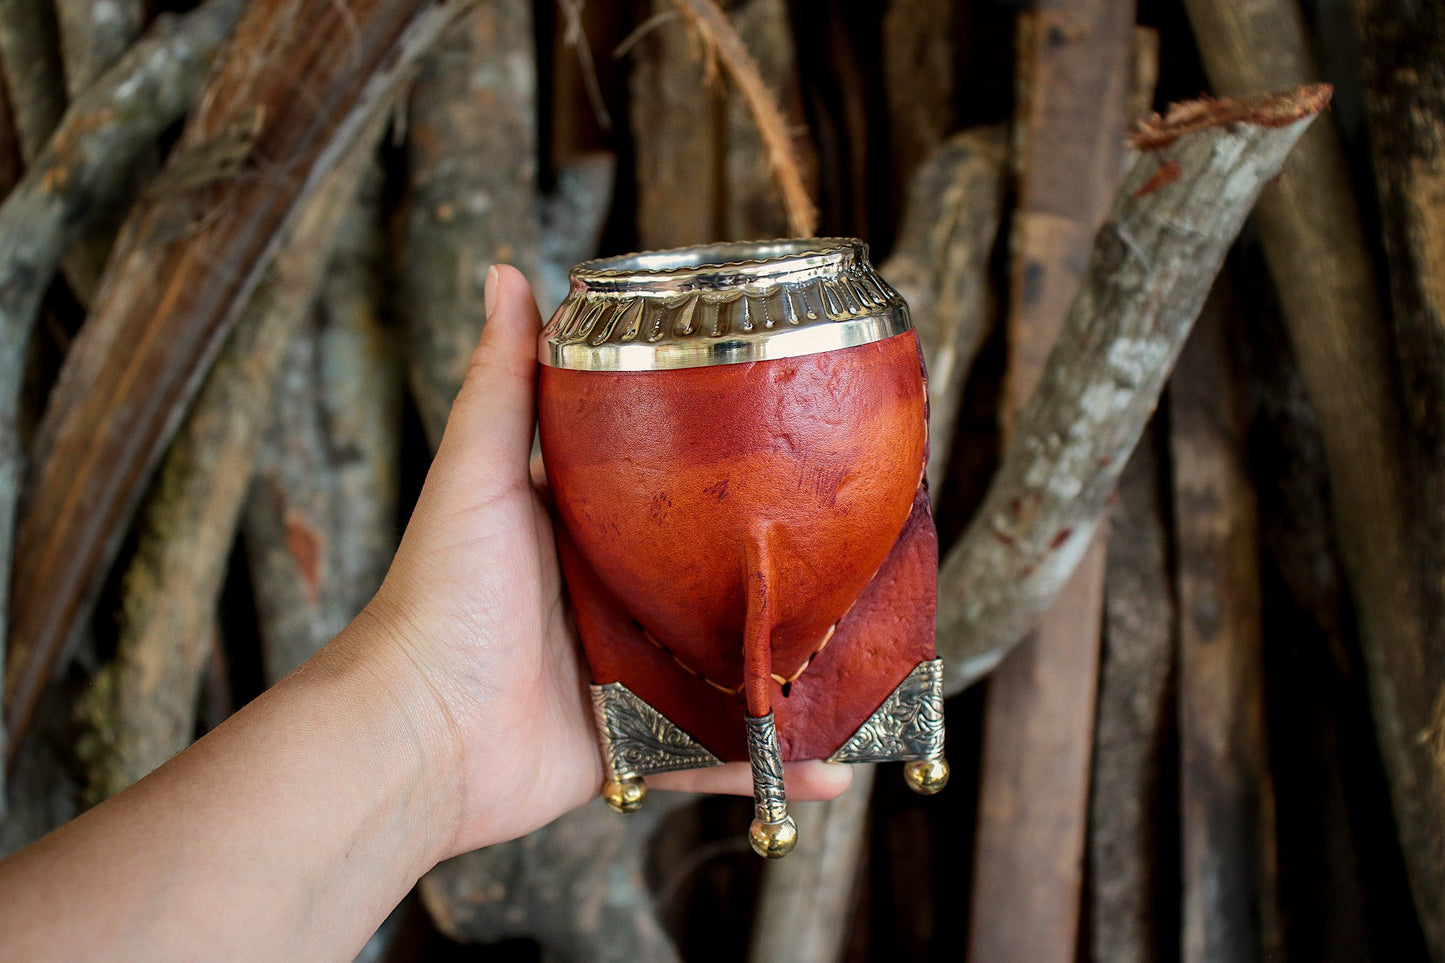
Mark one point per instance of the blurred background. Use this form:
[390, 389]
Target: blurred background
[241, 273]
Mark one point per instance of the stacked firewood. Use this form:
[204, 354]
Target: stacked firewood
[1192, 612]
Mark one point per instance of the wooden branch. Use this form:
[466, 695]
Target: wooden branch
[472, 187]
[321, 518]
[805, 907]
[30, 57]
[1134, 711]
[1076, 77]
[918, 56]
[1229, 848]
[573, 216]
[143, 704]
[1179, 209]
[92, 152]
[750, 209]
[1321, 265]
[93, 36]
[576, 886]
[187, 265]
[940, 264]
[723, 45]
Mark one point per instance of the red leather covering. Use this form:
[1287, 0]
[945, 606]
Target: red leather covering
[793, 485]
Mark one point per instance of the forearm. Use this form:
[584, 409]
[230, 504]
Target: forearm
[289, 832]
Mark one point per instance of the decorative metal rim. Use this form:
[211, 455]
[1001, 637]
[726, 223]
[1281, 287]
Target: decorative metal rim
[721, 304]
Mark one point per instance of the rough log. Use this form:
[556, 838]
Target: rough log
[573, 215]
[90, 156]
[578, 887]
[918, 53]
[1180, 207]
[1132, 720]
[187, 265]
[93, 35]
[472, 188]
[1229, 854]
[1402, 46]
[142, 707]
[1076, 77]
[30, 57]
[940, 264]
[321, 518]
[805, 906]
[1321, 266]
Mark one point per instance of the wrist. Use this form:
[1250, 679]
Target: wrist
[395, 706]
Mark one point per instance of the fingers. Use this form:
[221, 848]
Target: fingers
[804, 781]
[488, 437]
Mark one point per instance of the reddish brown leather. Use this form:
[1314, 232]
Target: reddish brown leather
[683, 494]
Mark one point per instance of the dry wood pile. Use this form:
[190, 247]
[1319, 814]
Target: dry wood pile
[1193, 612]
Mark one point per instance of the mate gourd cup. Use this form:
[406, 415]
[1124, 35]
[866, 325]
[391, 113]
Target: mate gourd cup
[735, 436]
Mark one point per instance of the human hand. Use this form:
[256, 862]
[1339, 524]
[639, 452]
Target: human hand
[474, 600]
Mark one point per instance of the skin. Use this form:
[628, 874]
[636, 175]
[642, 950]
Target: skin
[450, 715]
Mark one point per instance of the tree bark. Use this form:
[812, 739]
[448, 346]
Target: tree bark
[92, 153]
[142, 706]
[940, 264]
[805, 905]
[578, 887]
[1133, 721]
[1310, 226]
[1229, 849]
[1076, 77]
[30, 56]
[1182, 204]
[918, 80]
[321, 518]
[472, 192]
[187, 265]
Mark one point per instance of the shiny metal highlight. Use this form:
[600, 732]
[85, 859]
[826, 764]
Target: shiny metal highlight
[907, 726]
[722, 304]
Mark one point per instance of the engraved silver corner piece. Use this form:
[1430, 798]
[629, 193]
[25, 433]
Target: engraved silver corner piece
[907, 726]
[722, 304]
[637, 740]
[769, 800]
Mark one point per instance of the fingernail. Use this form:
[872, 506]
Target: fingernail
[489, 296]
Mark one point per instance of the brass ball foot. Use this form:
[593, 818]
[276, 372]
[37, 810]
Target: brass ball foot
[926, 776]
[773, 840]
[625, 795]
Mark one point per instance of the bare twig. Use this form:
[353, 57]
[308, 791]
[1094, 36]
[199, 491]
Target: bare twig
[1310, 227]
[188, 264]
[723, 44]
[142, 706]
[91, 154]
[30, 56]
[1179, 209]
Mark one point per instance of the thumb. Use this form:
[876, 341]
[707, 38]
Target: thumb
[488, 437]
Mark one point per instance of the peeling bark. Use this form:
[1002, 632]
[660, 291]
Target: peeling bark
[1151, 267]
